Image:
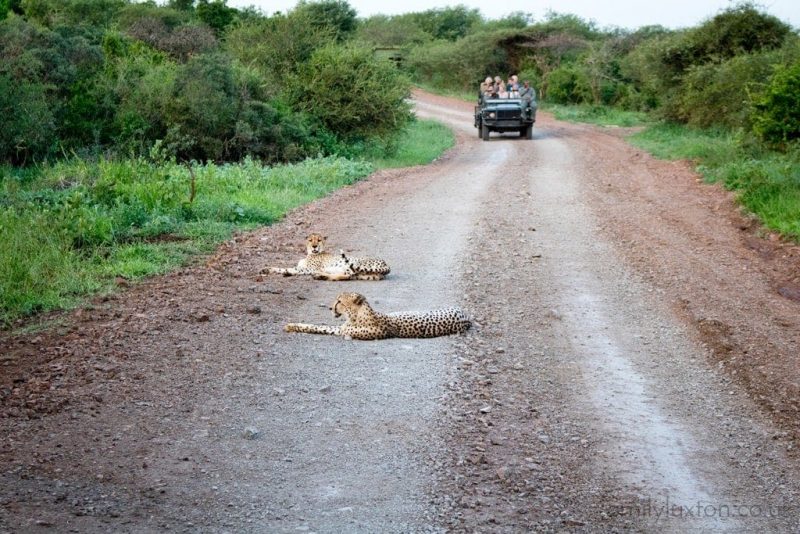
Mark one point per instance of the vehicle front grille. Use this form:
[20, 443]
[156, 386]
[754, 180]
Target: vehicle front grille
[506, 114]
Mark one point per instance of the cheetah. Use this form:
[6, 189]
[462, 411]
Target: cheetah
[322, 265]
[365, 323]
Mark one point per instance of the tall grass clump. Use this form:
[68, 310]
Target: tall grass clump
[422, 142]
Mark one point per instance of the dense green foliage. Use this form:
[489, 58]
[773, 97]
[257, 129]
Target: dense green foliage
[351, 93]
[187, 80]
[777, 115]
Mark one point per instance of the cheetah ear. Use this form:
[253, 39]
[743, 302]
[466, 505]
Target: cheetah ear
[359, 300]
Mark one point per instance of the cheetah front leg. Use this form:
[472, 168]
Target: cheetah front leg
[288, 271]
[305, 328]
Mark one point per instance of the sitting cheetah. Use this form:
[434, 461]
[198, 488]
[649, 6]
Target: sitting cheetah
[365, 323]
[322, 265]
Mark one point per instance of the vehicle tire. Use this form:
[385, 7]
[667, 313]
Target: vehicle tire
[529, 132]
[480, 131]
[484, 132]
[523, 131]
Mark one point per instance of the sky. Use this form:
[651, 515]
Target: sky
[620, 13]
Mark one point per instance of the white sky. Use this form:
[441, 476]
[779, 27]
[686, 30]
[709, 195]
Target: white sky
[622, 13]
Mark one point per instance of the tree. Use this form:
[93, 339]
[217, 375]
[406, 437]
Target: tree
[334, 16]
[181, 5]
[741, 29]
[216, 14]
[383, 30]
[448, 23]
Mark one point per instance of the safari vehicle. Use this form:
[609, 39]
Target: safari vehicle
[505, 115]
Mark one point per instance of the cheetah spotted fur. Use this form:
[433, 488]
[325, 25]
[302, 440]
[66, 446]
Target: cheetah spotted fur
[365, 323]
[322, 265]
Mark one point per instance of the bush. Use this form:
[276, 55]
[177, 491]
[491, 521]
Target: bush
[28, 131]
[568, 84]
[777, 112]
[720, 94]
[352, 93]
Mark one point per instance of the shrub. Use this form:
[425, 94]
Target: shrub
[352, 93]
[28, 130]
[777, 112]
[720, 94]
[568, 84]
[449, 23]
[215, 14]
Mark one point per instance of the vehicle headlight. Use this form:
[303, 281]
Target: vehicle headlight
[492, 115]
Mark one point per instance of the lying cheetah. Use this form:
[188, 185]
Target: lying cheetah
[322, 265]
[365, 323]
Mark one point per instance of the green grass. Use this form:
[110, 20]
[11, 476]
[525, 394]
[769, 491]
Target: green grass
[69, 229]
[767, 183]
[422, 142]
[600, 115]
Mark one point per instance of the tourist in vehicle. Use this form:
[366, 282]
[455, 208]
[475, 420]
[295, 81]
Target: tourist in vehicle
[501, 91]
[513, 87]
[498, 83]
[527, 94]
[486, 86]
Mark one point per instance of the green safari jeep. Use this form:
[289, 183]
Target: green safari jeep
[505, 115]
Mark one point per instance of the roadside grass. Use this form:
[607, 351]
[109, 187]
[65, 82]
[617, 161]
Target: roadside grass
[600, 115]
[422, 142]
[767, 183]
[70, 229]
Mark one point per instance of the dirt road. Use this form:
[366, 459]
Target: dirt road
[633, 365]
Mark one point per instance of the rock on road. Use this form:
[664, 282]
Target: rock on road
[601, 387]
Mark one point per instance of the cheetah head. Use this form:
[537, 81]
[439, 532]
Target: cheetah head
[315, 243]
[348, 303]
